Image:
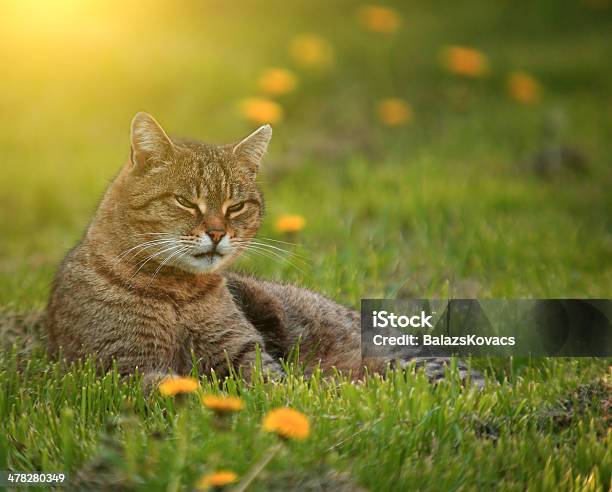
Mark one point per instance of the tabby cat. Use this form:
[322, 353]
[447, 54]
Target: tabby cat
[146, 286]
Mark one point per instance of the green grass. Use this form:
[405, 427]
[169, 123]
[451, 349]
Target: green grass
[542, 426]
[446, 206]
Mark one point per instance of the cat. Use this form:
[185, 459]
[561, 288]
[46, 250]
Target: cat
[146, 287]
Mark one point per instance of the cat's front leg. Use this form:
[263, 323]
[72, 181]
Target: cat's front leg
[232, 343]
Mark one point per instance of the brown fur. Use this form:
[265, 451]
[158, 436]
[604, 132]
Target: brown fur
[150, 307]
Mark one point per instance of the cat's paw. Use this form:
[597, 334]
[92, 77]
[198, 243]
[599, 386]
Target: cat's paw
[151, 381]
[274, 372]
[435, 369]
[270, 370]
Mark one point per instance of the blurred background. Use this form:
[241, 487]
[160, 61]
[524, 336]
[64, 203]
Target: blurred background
[420, 148]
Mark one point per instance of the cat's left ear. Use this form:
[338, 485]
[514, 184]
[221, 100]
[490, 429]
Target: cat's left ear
[250, 150]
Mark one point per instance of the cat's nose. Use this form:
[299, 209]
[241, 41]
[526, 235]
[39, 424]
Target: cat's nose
[215, 235]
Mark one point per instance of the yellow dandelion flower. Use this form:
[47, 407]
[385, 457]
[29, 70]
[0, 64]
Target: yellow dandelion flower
[465, 61]
[223, 404]
[310, 50]
[380, 19]
[277, 81]
[217, 479]
[524, 88]
[172, 386]
[287, 423]
[290, 223]
[261, 110]
[393, 112]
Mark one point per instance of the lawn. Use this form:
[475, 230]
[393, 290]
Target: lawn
[446, 202]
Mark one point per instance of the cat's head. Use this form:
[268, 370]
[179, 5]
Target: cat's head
[189, 205]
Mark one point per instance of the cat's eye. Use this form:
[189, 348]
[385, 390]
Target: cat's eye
[183, 202]
[237, 207]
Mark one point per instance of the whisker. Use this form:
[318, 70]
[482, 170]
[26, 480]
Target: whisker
[186, 251]
[144, 245]
[249, 253]
[261, 247]
[182, 250]
[153, 256]
[266, 254]
[254, 241]
[293, 253]
[169, 248]
[272, 255]
[277, 241]
[280, 254]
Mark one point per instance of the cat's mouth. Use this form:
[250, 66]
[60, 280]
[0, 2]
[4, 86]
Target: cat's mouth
[209, 255]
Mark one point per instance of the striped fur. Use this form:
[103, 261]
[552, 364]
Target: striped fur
[146, 287]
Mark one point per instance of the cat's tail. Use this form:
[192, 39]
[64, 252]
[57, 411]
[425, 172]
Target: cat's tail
[24, 331]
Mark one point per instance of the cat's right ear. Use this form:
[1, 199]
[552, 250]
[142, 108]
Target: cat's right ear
[151, 147]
